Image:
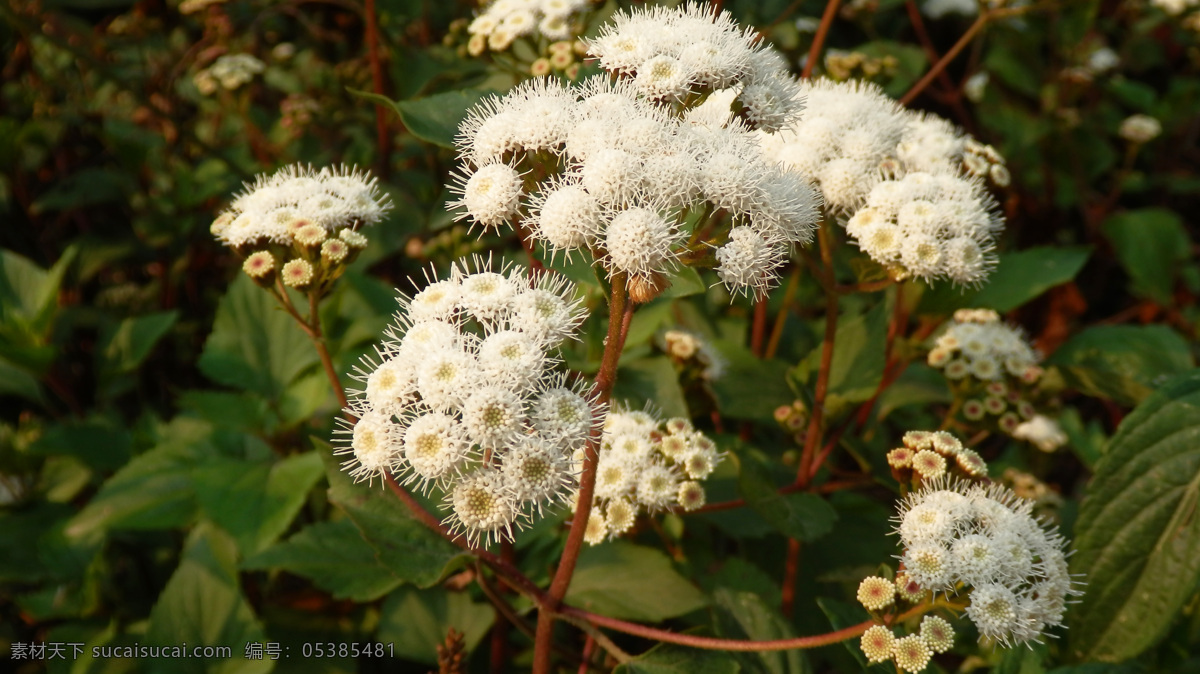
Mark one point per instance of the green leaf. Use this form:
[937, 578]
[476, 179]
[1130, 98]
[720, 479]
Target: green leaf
[122, 346]
[203, 604]
[684, 283]
[28, 293]
[335, 557]
[1152, 245]
[799, 515]
[623, 580]
[103, 444]
[745, 615]
[652, 379]
[435, 118]
[416, 621]
[1122, 362]
[16, 381]
[749, 388]
[407, 548]
[858, 360]
[153, 491]
[919, 384]
[672, 659]
[256, 501]
[254, 344]
[1138, 534]
[19, 560]
[1020, 277]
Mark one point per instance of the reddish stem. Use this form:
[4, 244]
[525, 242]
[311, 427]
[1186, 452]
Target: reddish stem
[371, 37]
[814, 51]
[715, 644]
[620, 313]
[949, 56]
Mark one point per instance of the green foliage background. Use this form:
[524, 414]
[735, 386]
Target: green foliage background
[164, 472]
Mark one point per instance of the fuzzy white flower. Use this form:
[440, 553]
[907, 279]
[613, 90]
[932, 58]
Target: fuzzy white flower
[990, 553]
[747, 260]
[640, 242]
[1045, 433]
[272, 208]
[490, 196]
[461, 398]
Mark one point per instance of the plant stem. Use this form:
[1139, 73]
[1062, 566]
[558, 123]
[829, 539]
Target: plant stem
[816, 417]
[712, 643]
[318, 340]
[814, 51]
[806, 468]
[938, 67]
[371, 37]
[781, 318]
[620, 311]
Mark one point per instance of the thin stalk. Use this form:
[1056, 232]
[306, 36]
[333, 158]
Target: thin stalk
[949, 56]
[715, 644]
[371, 37]
[791, 569]
[812, 437]
[620, 311]
[814, 51]
[318, 340]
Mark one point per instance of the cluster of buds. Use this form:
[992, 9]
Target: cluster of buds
[229, 71]
[301, 226]
[504, 21]
[844, 65]
[994, 372]
[646, 464]
[929, 456]
[1045, 500]
[910, 653]
[561, 58]
[693, 353]
[793, 418]
[984, 161]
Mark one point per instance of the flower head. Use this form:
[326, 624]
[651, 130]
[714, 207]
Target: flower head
[963, 537]
[461, 398]
[333, 198]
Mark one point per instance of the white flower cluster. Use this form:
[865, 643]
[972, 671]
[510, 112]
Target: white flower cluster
[464, 399]
[977, 344]
[957, 535]
[1045, 433]
[275, 208]
[230, 71]
[626, 169]
[646, 464]
[907, 182]
[931, 226]
[1140, 128]
[673, 53]
[503, 21]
